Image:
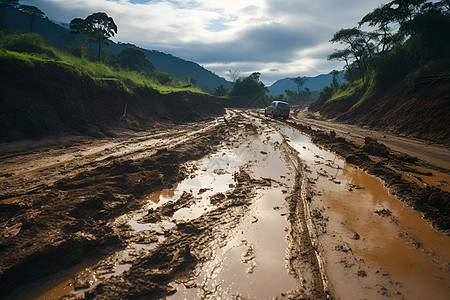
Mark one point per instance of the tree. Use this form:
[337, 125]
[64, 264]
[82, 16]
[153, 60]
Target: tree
[98, 27]
[299, 81]
[336, 80]
[234, 75]
[342, 55]
[248, 86]
[135, 60]
[220, 90]
[33, 13]
[353, 38]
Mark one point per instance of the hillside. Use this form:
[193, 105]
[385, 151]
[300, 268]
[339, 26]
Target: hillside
[420, 109]
[313, 83]
[41, 97]
[59, 36]
[402, 87]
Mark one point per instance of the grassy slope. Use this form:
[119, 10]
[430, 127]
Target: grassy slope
[50, 92]
[419, 107]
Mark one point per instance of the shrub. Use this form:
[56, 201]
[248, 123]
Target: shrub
[30, 43]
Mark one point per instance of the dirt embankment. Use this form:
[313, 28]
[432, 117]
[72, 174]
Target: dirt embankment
[43, 98]
[420, 109]
[376, 159]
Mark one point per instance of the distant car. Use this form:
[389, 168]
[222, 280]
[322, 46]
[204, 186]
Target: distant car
[278, 109]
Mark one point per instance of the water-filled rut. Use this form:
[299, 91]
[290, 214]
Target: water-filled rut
[269, 214]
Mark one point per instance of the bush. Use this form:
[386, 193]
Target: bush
[30, 43]
[163, 77]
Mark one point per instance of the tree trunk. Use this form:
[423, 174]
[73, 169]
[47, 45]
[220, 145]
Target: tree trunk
[99, 49]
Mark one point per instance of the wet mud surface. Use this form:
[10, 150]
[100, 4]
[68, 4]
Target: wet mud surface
[240, 207]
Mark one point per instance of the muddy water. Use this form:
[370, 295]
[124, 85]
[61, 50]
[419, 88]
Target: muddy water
[251, 262]
[373, 245]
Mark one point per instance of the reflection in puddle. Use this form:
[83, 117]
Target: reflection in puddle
[386, 234]
[251, 263]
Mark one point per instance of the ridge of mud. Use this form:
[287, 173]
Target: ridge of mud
[376, 159]
[303, 245]
[185, 246]
[63, 224]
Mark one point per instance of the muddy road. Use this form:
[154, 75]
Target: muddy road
[239, 207]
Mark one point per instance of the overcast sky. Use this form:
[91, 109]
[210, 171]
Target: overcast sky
[278, 38]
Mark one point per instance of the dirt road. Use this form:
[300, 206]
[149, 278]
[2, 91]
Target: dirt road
[434, 154]
[237, 207]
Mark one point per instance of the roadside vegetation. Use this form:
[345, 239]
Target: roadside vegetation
[409, 41]
[131, 70]
[43, 85]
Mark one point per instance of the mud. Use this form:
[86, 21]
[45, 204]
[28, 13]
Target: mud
[65, 220]
[371, 244]
[236, 207]
[376, 159]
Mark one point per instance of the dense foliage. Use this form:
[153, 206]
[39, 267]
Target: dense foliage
[248, 86]
[419, 45]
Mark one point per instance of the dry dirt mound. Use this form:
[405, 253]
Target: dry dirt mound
[45, 97]
[420, 109]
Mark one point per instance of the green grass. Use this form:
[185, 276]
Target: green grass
[360, 88]
[28, 48]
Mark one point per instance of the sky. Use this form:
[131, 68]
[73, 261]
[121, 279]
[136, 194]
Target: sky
[278, 38]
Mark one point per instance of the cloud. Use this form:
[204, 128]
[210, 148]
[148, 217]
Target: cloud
[277, 37]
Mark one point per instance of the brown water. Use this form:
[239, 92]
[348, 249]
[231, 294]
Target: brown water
[397, 250]
[251, 262]
[395, 247]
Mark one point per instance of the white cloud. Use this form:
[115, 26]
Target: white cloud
[290, 36]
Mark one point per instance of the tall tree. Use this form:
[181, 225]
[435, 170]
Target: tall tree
[299, 82]
[353, 37]
[98, 27]
[234, 75]
[342, 55]
[33, 13]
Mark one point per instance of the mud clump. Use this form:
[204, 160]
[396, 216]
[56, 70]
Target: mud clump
[374, 148]
[182, 250]
[68, 222]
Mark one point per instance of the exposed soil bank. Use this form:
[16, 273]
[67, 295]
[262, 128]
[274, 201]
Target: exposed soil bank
[420, 109]
[43, 98]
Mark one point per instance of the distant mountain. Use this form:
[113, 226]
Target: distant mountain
[313, 83]
[59, 35]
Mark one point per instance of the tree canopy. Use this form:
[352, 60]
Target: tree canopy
[422, 27]
[33, 13]
[135, 60]
[98, 27]
[248, 86]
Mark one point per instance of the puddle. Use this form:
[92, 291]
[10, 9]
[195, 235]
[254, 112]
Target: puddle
[60, 284]
[386, 235]
[433, 178]
[251, 262]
